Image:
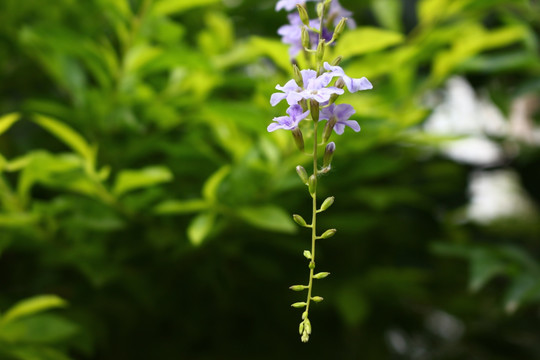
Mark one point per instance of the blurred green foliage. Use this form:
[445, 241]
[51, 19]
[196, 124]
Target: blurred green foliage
[138, 183]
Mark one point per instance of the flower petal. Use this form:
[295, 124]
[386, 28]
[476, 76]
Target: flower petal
[352, 124]
[355, 85]
[273, 126]
[276, 98]
[343, 111]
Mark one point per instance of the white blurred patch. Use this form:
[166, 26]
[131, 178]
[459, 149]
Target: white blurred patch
[498, 195]
[462, 113]
[445, 325]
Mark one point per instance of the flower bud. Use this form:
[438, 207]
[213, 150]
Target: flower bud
[329, 153]
[304, 315]
[298, 287]
[327, 203]
[339, 28]
[320, 9]
[312, 184]
[320, 50]
[317, 299]
[328, 233]
[307, 326]
[301, 328]
[314, 109]
[340, 83]
[312, 264]
[337, 61]
[298, 76]
[298, 138]
[321, 275]
[302, 173]
[307, 254]
[305, 337]
[303, 14]
[328, 128]
[306, 42]
[299, 305]
[299, 220]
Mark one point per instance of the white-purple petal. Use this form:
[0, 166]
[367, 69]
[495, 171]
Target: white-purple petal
[352, 124]
[276, 98]
[354, 85]
[343, 111]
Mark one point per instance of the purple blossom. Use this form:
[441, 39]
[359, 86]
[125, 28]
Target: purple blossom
[342, 113]
[289, 122]
[337, 12]
[291, 34]
[353, 85]
[314, 88]
[289, 4]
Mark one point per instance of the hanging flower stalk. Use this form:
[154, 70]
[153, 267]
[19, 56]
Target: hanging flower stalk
[311, 96]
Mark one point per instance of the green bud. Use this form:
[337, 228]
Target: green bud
[304, 316]
[298, 76]
[317, 299]
[301, 328]
[328, 233]
[298, 138]
[320, 9]
[303, 14]
[299, 305]
[307, 326]
[327, 203]
[328, 128]
[339, 28]
[307, 254]
[321, 275]
[302, 173]
[312, 264]
[320, 50]
[312, 184]
[306, 42]
[299, 220]
[298, 287]
[337, 61]
[314, 109]
[305, 337]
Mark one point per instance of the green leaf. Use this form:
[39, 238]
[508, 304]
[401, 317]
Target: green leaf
[170, 207]
[522, 288]
[365, 40]
[200, 227]
[169, 7]
[128, 180]
[38, 329]
[32, 306]
[210, 187]
[268, 217]
[7, 120]
[18, 220]
[484, 266]
[388, 13]
[68, 136]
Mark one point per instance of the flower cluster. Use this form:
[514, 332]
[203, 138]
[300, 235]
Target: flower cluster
[311, 96]
[292, 33]
[317, 88]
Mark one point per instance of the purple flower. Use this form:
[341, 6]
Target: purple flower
[337, 12]
[314, 88]
[353, 85]
[341, 113]
[289, 4]
[291, 34]
[289, 122]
